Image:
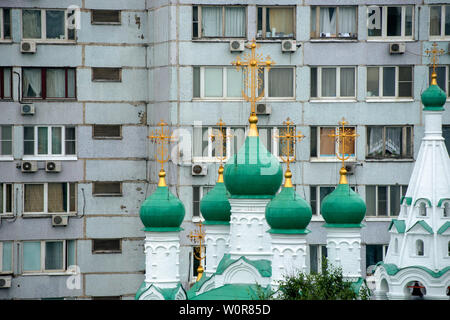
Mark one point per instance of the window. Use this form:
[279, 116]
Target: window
[422, 209]
[218, 83]
[218, 22]
[317, 253]
[105, 17]
[325, 147]
[198, 192]
[5, 23]
[106, 246]
[334, 22]
[276, 22]
[6, 198]
[317, 194]
[384, 201]
[107, 189]
[446, 135]
[49, 141]
[389, 142]
[107, 74]
[390, 22]
[46, 24]
[390, 82]
[443, 77]
[420, 248]
[375, 253]
[52, 197]
[101, 131]
[48, 256]
[5, 140]
[5, 83]
[6, 257]
[439, 21]
[446, 212]
[333, 82]
[48, 83]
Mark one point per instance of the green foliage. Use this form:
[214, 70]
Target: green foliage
[328, 285]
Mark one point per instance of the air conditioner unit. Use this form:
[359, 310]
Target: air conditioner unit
[29, 166]
[27, 109]
[59, 221]
[53, 166]
[199, 170]
[237, 45]
[288, 45]
[262, 108]
[396, 48]
[5, 282]
[28, 47]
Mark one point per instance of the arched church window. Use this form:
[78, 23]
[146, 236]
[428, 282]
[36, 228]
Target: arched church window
[447, 209]
[422, 209]
[419, 248]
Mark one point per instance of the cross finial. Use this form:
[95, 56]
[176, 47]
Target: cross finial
[198, 236]
[288, 139]
[253, 65]
[434, 53]
[344, 135]
[220, 139]
[162, 136]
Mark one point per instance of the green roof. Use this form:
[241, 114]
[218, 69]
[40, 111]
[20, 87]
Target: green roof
[215, 207]
[408, 200]
[441, 201]
[444, 227]
[425, 199]
[425, 225]
[232, 292]
[399, 225]
[167, 293]
[253, 172]
[392, 269]
[263, 266]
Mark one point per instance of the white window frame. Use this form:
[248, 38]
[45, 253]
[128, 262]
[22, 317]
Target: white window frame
[442, 35]
[44, 26]
[224, 84]
[264, 9]
[317, 36]
[338, 84]
[388, 199]
[201, 193]
[45, 194]
[8, 157]
[381, 97]
[333, 158]
[42, 269]
[384, 35]
[266, 84]
[49, 156]
[3, 195]
[1, 258]
[199, 21]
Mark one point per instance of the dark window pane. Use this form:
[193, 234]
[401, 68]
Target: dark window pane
[54, 255]
[105, 16]
[447, 21]
[106, 74]
[374, 254]
[7, 23]
[313, 258]
[371, 200]
[313, 147]
[441, 79]
[395, 200]
[313, 82]
[313, 199]
[382, 201]
[324, 191]
[106, 245]
[394, 21]
[388, 81]
[55, 24]
[373, 81]
[196, 82]
[196, 201]
[107, 188]
[408, 20]
[106, 131]
[446, 135]
[435, 20]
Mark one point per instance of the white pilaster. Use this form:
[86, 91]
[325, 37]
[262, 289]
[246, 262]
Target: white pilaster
[344, 250]
[216, 239]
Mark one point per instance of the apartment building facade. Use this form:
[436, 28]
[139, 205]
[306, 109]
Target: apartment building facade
[98, 76]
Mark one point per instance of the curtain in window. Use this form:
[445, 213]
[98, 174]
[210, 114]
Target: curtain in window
[235, 82]
[347, 20]
[328, 20]
[7, 256]
[54, 255]
[347, 82]
[281, 82]
[31, 82]
[282, 20]
[6, 140]
[234, 22]
[56, 197]
[56, 140]
[56, 83]
[212, 21]
[213, 82]
[327, 143]
[375, 141]
[31, 256]
[55, 21]
[435, 20]
[34, 198]
[393, 145]
[43, 140]
[237, 138]
[328, 82]
[7, 82]
[31, 24]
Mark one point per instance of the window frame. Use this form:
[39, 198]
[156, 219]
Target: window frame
[323, 158]
[50, 156]
[106, 23]
[119, 137]
[201, 194]
[42, 270]
[45, 199]
[396, 97]
[403, 189]
[95, 194]
[2, 25]
[43, 37]
[442, 18]
[2, 84]
[338, 96]
[1, 257]
[316, 35]
[10, 156]
[4, 194]
[44, 84]
[263, 21]
[384, 24]
[405, 141]
[106, 251]
[93, 79]
[200, 35]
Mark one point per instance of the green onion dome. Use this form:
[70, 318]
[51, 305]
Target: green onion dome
[214, 205]
[162, 211]
[434, 97]
[287, 212]
[343, 207]
[253, 172]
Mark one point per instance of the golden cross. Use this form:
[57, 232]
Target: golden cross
[161, 136]
[343, 135]
[253, 65]
[198, 236]
[434, 55]
[220, 138]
